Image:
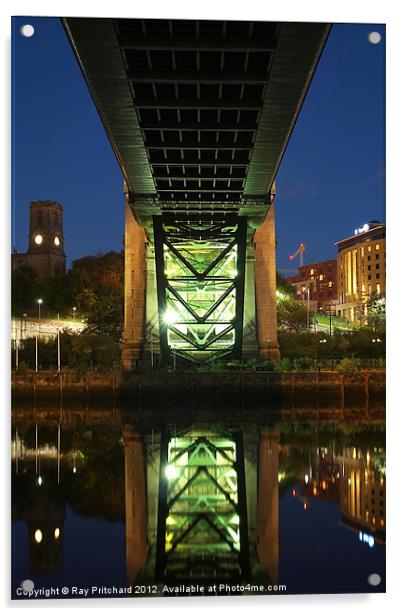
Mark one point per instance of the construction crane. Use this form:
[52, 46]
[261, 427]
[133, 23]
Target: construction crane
[300, 252]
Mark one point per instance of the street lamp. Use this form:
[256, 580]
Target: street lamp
[39, 302]
[74, 311]
[321, 341]
[375, 341]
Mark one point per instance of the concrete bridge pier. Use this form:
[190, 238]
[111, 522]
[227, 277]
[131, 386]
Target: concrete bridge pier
[265, 287]
[134, 290]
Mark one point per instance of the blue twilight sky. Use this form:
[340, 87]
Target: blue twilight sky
[331, 179]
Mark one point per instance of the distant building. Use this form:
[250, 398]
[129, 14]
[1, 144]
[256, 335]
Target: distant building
[361, 270]
[320, 279]
[45, 254]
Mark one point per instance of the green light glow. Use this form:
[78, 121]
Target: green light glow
[200, 292]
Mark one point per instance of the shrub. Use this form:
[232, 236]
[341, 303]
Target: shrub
[348, 364]
[284, 365]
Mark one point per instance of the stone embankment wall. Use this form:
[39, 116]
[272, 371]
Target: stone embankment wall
[197, 391]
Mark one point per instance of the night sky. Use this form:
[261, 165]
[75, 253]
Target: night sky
[331, 179]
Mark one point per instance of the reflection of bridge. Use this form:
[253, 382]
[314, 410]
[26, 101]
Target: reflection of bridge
[199, 114]
[201, 501]
[197, 509]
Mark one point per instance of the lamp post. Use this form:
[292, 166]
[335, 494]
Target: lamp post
[375, 341]
[39, 302]
[321, 341]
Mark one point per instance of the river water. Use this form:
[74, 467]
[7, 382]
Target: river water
[111, 502]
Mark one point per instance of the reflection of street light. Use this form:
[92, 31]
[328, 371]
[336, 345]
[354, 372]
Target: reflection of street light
[302, 499]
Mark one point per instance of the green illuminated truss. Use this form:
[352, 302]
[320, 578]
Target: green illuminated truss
[200, 276]
[202, 517]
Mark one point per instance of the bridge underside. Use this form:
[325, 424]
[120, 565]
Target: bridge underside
[199, 114]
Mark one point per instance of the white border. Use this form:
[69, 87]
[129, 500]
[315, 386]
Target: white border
[384, 11]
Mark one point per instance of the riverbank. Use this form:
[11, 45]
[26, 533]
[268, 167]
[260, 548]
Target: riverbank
[201, 390]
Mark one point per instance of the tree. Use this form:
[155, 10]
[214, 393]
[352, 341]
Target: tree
[283, 286]
[105, 317]
[24, 290]
[376, 312]
[292, 314]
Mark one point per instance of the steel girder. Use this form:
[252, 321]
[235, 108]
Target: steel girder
[202, 513]
[200, 269]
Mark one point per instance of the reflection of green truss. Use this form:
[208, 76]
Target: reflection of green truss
[200, 275]
[202, 518]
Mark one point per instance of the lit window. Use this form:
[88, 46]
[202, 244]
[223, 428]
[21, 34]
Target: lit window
[330, 284]
[369, 248]
[311, 272]
[321, 277]
[377, 246]
[378, 287]
[38, 239]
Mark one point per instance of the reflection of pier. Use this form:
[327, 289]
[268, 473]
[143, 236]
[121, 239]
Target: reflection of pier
[268, 504]
[196, 507]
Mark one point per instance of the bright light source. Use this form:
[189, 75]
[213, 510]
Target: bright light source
[38, 239]
[74, 469]
[40, 480]
[56, 241]
[170, 520]
[56, 533]
[40, 300]
[306, 479]
[38, 535]
[171, 472]
[170, 316]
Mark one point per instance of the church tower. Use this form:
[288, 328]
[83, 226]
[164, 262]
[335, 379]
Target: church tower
[46, 241]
